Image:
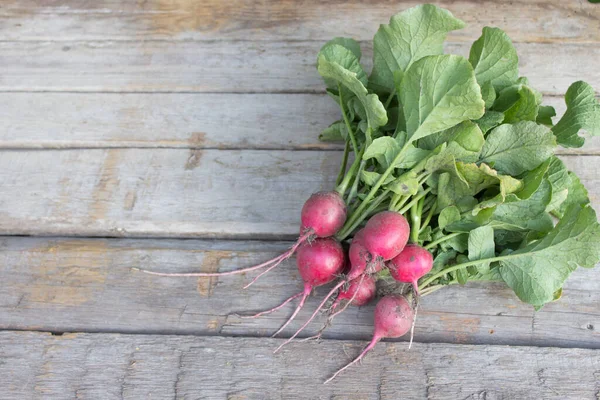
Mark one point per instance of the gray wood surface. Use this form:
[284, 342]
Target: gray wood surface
[173, 192]
[87, 285]
[234, 66]
[180, 120]
[108, 366]
[530, 20]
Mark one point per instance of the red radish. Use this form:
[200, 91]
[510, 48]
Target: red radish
[411, 264]
[360, 291]
[393, 318]
[386, 234]
[319, 262]
[359, 256]
[361, 260]
[323, 214]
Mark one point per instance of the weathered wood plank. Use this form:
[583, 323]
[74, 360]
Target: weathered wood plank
[173, 192]
[532, 21]
[181, 120]
[37, 365]
[240, 66]
[88, 285]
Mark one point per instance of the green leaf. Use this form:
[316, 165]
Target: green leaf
[425, 234]
[438, 92]
[559, 179]
[465, 141]
[349, 44]
[545, 114]
[406, 185]
[335, 132]
[330, 69]
[494, 59]
[412, 156]
[537, 271]
[370, 178]
[518, 103]
[384, 150]
[448, 215]
[442, 259]
[514, 149]
[583, 112]
[488, 94]
[459, 243]
[411, 35]
[334, 52]
[525, 214]
[481, 246]
[490, 119]
[577, 194]
[452, 189]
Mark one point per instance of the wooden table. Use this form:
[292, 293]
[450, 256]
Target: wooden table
[181, 135]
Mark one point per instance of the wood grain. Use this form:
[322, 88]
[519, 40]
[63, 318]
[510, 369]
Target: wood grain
[173, 192]
[88, 285]
[179, 120]
[525, 21]
[88, 366]
[239, 66]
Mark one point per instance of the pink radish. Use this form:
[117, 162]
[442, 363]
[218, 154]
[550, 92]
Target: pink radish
[393, 318]
[319, 262]
[386, 234]
[323, 214]
[410, 265]
[360, 291]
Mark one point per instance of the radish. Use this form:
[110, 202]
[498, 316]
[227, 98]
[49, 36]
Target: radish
[393, 318]
[360, 291]
[410, 265]
[385, 235]
[323, 214]
[361, 260]
[319, 262]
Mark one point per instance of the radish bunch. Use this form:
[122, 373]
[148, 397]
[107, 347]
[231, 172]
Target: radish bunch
[453, 178]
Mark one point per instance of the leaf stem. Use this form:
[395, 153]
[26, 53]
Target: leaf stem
[354, 188]
[347, 122]
[344, 164]
[442, 239]
[429, 216]
[457, 267]
[415, 218]
[355, 219]
[414, 201]
[364, 204]
[389, 99]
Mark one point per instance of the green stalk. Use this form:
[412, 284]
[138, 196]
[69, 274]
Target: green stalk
[357, 219]
[414, 201]
[354, 188]
[428, 218]
[459, 266]
[395, 199]
[442, 239]
[389, 99]
[344, 164]
[364, 204]
[415, 219]
[350, 133]
[343, 187]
